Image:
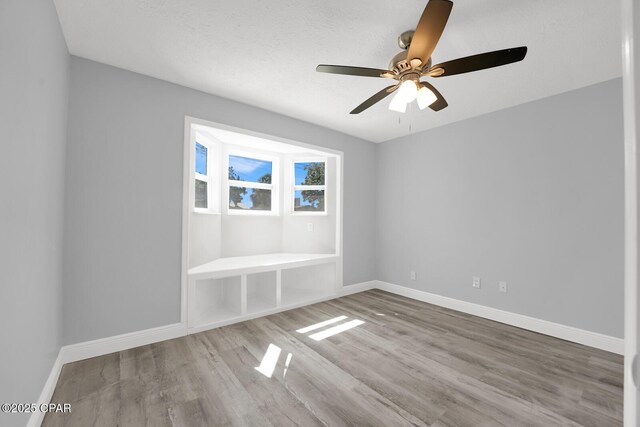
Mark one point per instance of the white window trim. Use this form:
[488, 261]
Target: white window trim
[274, 186]
[212, 177]
[295, 187]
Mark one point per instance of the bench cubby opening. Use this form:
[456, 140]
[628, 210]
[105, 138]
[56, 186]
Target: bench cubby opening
[217, 300]
[262, 293]
[308, 283]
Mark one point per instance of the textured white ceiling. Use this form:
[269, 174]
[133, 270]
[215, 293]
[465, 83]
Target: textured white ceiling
[264, 53]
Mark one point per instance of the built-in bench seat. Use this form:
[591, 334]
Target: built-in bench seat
[222, 286]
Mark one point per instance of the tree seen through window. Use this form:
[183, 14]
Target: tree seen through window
[249, 196]
[312, 175]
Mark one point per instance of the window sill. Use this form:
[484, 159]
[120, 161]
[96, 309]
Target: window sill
[201, 212]
[309, 213]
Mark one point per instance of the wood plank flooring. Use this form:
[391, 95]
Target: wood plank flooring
[409, 364]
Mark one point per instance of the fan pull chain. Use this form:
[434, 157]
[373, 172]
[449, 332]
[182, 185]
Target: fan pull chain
[400, 123]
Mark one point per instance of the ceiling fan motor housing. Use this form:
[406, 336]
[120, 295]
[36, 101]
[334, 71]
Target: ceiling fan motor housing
[400, 65]
[399, 62]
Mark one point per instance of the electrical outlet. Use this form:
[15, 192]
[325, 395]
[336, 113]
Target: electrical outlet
[502, 287]
[414, 276]
[309, 226]
[476, 282]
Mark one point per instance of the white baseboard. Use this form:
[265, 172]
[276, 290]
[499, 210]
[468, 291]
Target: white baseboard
[47, 392]
[358, 287]
[100, 347]
[569, 333]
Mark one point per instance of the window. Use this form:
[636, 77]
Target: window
[251, 183]
[202, 178]
[309, 187]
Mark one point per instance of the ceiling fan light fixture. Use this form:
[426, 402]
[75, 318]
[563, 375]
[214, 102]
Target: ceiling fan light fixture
[414, 62]
[407, 91]
[425, 97]
[397, 104]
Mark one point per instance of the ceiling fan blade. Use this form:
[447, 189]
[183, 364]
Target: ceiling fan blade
[374, 99]
[478, 62]
[353, 71]
[440, 103]
[429, 29]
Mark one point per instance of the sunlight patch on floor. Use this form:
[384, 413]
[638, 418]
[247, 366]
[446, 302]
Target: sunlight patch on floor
[286, 364]
[320, 325]
[336, 330]
[269, 361]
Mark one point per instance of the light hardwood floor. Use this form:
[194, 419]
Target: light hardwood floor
[409, 363]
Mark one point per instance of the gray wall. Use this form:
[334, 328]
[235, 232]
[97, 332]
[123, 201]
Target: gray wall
[532, 195]
[124, 195]
[34, 72]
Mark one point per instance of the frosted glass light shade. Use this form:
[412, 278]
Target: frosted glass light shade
[425, 97]
[398, 104]
[407, 91]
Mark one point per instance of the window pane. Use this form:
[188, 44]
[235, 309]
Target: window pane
[201, 159]
[201, 194]
[250, 170]
[249, 199]
[309, 173]
[308, 201]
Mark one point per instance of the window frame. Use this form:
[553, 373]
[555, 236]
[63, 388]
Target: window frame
[274, 186]
[210, 178]
[297, 187]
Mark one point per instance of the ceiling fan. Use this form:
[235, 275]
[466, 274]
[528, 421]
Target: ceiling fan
[408, 66]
